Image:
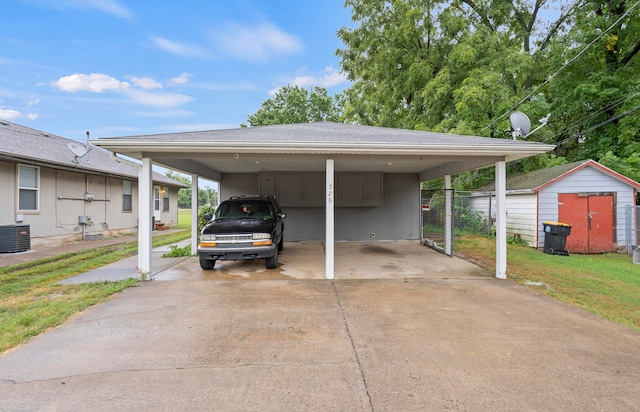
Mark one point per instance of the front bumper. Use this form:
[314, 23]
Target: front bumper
[237, 252]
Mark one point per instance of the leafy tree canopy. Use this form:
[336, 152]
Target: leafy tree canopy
[294, 104]
[461, 66]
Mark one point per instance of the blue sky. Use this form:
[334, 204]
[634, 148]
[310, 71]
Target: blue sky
[127, 67]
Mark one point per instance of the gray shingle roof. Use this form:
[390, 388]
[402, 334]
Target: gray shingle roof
[321, 132]
[23, 144]
[537, 178]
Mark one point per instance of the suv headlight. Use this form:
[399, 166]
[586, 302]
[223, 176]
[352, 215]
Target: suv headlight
[208, 241]
[261, 239]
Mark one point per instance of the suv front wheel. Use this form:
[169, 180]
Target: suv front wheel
[272, 262]
[207, 264]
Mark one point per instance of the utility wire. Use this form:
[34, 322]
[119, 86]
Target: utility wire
[561, 69]
[597, 126]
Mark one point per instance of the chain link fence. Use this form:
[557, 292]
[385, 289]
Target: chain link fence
[632, 233]
[467, 211]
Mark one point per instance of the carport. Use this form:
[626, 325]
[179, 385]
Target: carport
[324, 171]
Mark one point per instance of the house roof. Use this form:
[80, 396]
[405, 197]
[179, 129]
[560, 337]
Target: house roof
[539, 179]
[306, 146]
[26, 145]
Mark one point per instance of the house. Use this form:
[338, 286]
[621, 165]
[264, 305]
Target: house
[56, 190]
[596, 201]
[337, 182]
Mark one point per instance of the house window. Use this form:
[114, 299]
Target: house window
[127, 196]
[165, 199]
[28, 188]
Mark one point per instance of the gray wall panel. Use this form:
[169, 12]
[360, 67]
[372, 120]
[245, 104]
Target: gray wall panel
[397, 219]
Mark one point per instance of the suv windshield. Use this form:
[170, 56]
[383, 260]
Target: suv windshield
[244, 209]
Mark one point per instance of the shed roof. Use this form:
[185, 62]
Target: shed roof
[539, 179]
[305, 146]
[26, 145]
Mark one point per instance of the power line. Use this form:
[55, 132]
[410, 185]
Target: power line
[597, 126]
[561, 69]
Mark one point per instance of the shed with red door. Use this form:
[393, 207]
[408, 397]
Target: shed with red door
[598, 203]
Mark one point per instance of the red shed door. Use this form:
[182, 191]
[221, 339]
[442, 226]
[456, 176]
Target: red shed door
[592, 217]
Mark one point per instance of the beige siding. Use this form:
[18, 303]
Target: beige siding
[8, 192]
[62, 201]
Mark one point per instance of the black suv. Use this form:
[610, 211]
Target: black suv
[244, 227]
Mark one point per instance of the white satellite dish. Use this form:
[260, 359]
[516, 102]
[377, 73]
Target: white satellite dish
[78, 150]
[520, 124]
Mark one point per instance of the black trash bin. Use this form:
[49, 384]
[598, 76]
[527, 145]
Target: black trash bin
[555, 238]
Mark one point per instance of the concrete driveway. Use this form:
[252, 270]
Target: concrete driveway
[451, 338]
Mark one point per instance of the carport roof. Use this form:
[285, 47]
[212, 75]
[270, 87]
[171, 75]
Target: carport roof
[306, 146]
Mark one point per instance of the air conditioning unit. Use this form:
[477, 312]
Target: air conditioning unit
[15, 238]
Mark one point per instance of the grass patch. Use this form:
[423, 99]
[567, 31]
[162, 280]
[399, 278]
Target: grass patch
[184, 219]
[606, 284]
[32, 301]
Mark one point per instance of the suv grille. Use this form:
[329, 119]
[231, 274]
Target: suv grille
[221, 238]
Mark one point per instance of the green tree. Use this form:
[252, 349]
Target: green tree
[461, 66]
[450, 66]
[294, 104]
[206, 195]
[596, 98]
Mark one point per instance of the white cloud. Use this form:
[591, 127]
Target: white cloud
[157, 99]
[144, 91]
[179, 81]
[255, 43]
[145, 83]
[32, 116]
[94, 82]
[108, 6]
[179, 49]
[33, 102]
[9, 114]
[329, 77]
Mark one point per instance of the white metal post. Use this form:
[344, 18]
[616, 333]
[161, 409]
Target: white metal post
[329, 259]
[145, 214]
[501, 220]
[194, 213]
[448, 222]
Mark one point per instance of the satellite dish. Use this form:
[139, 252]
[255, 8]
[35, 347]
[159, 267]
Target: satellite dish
[78, 150]
[520, 124]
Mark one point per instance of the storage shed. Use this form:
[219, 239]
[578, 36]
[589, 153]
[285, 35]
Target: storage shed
[596, 201]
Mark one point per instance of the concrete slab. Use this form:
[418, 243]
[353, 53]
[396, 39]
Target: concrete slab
[441, 336]
[354, 260]
[127, 268]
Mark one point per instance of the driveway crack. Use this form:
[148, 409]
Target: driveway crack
[353, 347]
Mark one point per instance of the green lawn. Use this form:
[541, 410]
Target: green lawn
[184, 219]
[32, 301]
[606, 284]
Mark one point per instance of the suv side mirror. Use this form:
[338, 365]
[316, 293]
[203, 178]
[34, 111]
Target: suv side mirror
[283, 215]
[207, 216]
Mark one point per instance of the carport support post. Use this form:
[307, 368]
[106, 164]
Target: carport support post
[501, 220]
[448, 222]
[145, 206]
[329, 221]
[194, 213]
